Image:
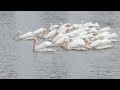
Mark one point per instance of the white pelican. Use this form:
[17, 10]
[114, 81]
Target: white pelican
[111, 36]
[103, 47]
[61, 25]
[73, 33]
[90, 24]
[51, 34]
[60, 40]
[100, 44]
[101, 35]
[93, 30]
[105, 29]
[64, 30]
[67, 24]
[76, 33]
[74, 45]
[105, 41]
[57, 37]
[85, 29]
[106, 35]
[80, 34]
[89, 36]
[95, 43]
[39, 31]
[18, 35]
[45, 46]
[53, 26]
[76, 26]
[97, 26]
[76, 42]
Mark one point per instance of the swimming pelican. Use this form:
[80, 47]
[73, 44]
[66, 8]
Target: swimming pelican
[105, 29]
[18, 35]
[90, 24]
[95, 43]
[64, 30]
[76, 26]
[60, 40]
[111, 36]
[80, 34]
[74, 45]
[41, 30]
[53, 27]
[57, 37]
[51, 34]
[93, 30]
[97, 26]
[67, 24]
[105, 41]
[76, 33]
[103, 47]
[45, 46]
[100, 35]
[100, 43]
[106, 35]
[89, 36]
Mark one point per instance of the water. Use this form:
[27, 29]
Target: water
[18, 61]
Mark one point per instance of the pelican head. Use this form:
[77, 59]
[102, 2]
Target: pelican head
[67, 30]
[65, 43]
[57, 32]
[67, 25]
[44, 32]
[95, 34]
[50, 39]
[17, 35]
[86, 40]
[51, 24]
[61, 23]
[93, 39]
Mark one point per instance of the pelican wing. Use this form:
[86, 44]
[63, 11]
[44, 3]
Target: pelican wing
[57, 37]
[111, 36]
[105, 41]
[61, 40]
[95, 43]
[76, 43]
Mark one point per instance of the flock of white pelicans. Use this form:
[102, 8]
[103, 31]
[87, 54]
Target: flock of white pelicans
[69, 36]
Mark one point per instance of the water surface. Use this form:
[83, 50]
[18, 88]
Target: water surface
[18, 61]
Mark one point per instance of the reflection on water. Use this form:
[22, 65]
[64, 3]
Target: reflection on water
[18, 61]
